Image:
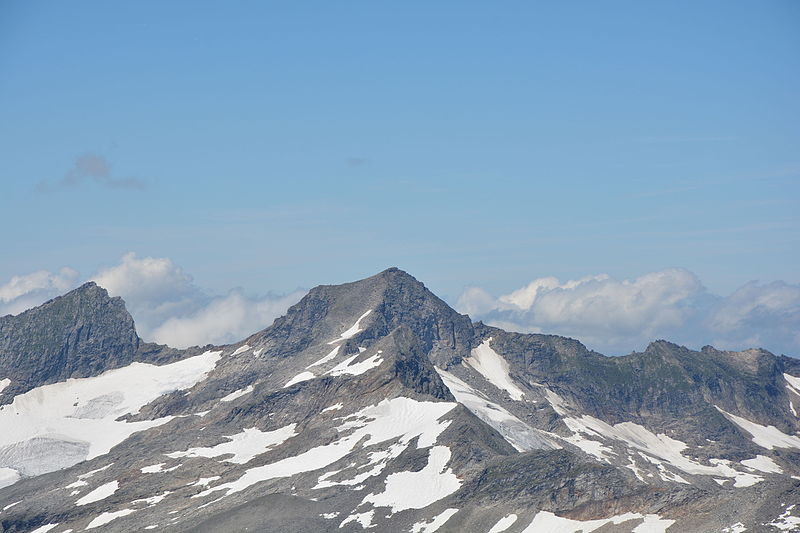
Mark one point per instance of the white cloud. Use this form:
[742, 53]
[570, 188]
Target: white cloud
[619, 316]
[224, 319]
[23, 292]
[162, 298]
[170, 309]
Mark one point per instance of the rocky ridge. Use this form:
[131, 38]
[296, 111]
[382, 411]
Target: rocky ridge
[375, 406]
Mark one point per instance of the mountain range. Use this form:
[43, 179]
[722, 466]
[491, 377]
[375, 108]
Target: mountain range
[374, 406]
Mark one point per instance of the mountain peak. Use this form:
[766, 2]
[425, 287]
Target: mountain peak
[80, 334]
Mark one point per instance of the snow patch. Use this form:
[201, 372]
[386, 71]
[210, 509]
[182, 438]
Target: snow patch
[45, 528]
[243, 446]
[768, 437]
[325, 359]
[762, 463]
[352, 330]
[299, 378]
[434, 525]
[364, 519]
[153, 500]
[415, 490]
[100, 493]
[503, 524]
[334, 407]
[152, 469]
[547, 521]
[786, 522]
[345, 367]
[519, 434]
[4, 383]
[738, 527]
[397, 418]
[236, 394]
[240, 349]
[105, 518]
[494, 368]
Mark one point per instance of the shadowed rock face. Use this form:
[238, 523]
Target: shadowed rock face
[350, 376]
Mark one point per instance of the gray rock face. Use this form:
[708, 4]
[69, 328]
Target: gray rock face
[375, 406]
[78, 335]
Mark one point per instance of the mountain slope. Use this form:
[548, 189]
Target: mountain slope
[374, 405]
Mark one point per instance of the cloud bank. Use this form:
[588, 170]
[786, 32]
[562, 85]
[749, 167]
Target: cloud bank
[616, 317]
[164, 301]
[608, 315]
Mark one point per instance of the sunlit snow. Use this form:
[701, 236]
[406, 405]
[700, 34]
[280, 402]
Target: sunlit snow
[105, 518]
[768, 437]
[352, 330]
[434, 525]
[346, 366]
[76, 419]
[100, 493]
[503, 524]
[236, 394]
[519, 434]
[243, 446]
[762, 463]
[402, 418]
[494, 368]
[299, 378]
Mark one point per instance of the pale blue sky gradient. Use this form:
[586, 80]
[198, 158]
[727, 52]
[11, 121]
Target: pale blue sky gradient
[286, 144]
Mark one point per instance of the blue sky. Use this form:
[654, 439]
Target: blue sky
[276, 145]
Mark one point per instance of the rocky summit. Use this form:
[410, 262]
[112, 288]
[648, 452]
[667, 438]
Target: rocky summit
[374, 406]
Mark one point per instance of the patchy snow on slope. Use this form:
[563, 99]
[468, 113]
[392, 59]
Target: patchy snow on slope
[768, 437]
[332, 355]
[786, 522]
[793, 381]
[299, 378]
[503, 524]
[494, 368]
[257, 353]
[519, 434]
[105, 518]
[364, 519]
[345, 367]
[434, 525]
[81, 414]
[10, 505]
[352, 330]
[45, 528]
[4, 383]
[415, 490]
[152, 469]
[762, 463]
[236, 394]
[243, 446]
[100, 493]
[738, 527]
[397, 418]
[334, 407]
[545, 521]
[659, 448]
[241, 349]
[153, 500]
